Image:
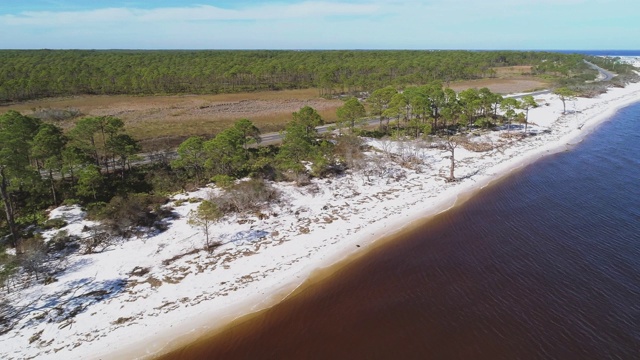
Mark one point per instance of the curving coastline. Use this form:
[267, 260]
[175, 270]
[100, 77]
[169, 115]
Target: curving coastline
[380, 232]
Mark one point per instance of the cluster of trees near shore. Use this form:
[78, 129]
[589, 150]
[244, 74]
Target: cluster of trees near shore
[40, 164]
[43, 166]
[32, 74]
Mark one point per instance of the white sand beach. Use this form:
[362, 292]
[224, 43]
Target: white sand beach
[143, 296]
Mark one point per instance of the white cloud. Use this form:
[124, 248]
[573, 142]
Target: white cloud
[193, 13]
[421, 24]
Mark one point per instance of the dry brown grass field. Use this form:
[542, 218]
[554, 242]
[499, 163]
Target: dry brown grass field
[502, 86]
[511, 71]
[164, 121]
[160, 122]
[508, 80]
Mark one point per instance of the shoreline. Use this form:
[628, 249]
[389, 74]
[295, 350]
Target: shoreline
[467, 190]
[295, 258]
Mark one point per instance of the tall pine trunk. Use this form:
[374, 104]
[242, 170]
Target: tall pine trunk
[53, 188]
[8, 208]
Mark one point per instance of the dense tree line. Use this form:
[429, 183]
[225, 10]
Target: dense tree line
[415, 112]
[41, 166]
[30, 74]
[432, 108]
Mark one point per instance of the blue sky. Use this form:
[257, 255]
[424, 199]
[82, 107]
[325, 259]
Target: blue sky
[322, 24]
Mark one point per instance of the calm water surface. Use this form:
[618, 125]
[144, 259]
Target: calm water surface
[543, 265]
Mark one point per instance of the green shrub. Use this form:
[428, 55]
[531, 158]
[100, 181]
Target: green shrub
[484, 122]
[31, 218]
[223, 181]
[262, 167]
[8, 266]
[61, 241]
[95, 210]
[122, 213]
[71, 201]
[376, 134]
[55, 223]
[164, 181]
[179, 202]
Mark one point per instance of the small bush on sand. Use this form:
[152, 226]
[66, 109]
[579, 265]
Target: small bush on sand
[246, 196]
[164, 180]
[61, 241]
[71, 201]
[349, 150]
[123, 213]
[98, 241]
[33, 257]
[55, 223]
[8, 266]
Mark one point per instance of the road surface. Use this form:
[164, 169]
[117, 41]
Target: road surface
[605, 75]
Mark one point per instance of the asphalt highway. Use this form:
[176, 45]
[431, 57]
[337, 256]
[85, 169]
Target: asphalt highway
[605, 75]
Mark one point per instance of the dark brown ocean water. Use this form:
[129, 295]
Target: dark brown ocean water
[542, 265]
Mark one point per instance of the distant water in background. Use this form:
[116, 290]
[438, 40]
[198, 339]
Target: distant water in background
[542, 265]
[601, 52]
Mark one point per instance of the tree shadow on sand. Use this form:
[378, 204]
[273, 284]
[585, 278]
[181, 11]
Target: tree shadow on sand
[61, 306]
